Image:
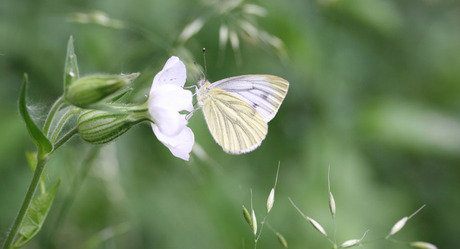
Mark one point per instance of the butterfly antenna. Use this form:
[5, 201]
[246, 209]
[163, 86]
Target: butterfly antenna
[205, 67]
[198, 68]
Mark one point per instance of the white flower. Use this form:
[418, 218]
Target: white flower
[167, 99]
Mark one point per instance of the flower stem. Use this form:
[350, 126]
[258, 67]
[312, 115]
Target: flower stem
[61, 124]
[56, 106]
[65, 138]
[41, 163]
[39, 169]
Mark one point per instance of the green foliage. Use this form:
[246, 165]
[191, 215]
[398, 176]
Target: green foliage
[35, 216]
[41, 141]
[374, 93]
[71, 71]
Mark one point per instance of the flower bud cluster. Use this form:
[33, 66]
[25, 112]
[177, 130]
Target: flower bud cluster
[101, 120]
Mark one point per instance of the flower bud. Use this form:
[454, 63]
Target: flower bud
[94, 88]
[99, 126]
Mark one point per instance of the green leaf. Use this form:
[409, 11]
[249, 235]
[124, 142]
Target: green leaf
[42, 142]
[35, 216]
[71, 72]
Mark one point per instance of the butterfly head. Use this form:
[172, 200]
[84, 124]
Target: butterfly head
[202, 81]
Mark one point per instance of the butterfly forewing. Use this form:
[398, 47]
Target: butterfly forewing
[234, 124]
[264, 93]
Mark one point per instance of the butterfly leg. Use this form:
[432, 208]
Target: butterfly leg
[190, 114]
[193, 86]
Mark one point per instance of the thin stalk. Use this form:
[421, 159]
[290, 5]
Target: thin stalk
[65, 138]
[42, 187]
[260, 232]
[61, 124]
[39, 169]
[49, 119]
[41, 163]
[154, 37]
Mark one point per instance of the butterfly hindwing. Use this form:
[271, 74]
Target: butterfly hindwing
[234, 124]
[264, 93]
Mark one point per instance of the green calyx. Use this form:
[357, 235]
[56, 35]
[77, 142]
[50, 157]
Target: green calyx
[94, 88]
[103, 126]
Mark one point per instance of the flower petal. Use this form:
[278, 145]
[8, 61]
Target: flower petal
[171, 97]
[170, 122]
[173, 72]
[167, 99]
[179, 145]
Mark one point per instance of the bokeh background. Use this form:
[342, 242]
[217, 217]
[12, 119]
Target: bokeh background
[374, 94]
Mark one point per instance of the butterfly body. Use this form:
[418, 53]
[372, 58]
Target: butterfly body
[237, 109]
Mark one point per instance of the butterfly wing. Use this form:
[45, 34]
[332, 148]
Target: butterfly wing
[235, 125]
[264, 93]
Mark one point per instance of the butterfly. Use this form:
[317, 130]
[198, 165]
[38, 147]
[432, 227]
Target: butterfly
[237, 109]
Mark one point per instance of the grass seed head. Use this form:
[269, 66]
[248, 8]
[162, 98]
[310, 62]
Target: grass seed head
[270, 200]
[423, 245]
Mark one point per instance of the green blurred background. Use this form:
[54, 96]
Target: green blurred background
[374, 93]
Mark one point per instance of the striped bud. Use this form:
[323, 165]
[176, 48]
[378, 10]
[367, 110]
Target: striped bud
[100, 127]
[94, 88]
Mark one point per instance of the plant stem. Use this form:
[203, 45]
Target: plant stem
[61, 124]
[39, 169]
[65, 138]
[41, 163]
[56, 106]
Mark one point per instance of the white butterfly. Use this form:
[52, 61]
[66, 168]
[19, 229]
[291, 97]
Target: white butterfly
[237, 109]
